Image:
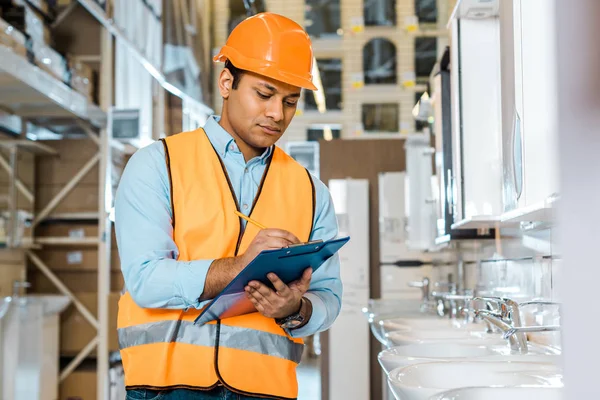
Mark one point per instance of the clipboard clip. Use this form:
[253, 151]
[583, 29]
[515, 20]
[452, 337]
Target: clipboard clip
[302, 244]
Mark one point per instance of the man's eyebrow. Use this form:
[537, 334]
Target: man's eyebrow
[274, 90]
[267, 86]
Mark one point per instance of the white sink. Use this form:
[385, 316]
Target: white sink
[418, 353]
[413, 336]
[422, 381]
[501, 393]
[402, 356]
[381, 326]
[398, 324]
[53, 304]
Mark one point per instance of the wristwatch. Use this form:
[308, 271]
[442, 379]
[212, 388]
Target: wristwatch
[294, 320]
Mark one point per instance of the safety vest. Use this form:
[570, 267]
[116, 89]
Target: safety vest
[249, 354]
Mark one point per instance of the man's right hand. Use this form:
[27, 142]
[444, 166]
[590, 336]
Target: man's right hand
[223, 270]
[267, 239]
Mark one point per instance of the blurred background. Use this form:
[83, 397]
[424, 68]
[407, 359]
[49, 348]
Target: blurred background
[443, 128]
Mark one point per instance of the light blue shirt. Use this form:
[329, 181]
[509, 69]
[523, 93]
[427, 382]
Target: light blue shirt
[143, 216]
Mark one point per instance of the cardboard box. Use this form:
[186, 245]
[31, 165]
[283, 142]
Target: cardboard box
[50, 61]
[81, 384]
[75, 258]
[83, 198]
[72, 229]
[72, 156]
[83, 80]
[12, 268]
[75, 281]
[54, 172]
[25, 167]
[13, 38]
[27, 19]
[75, 330]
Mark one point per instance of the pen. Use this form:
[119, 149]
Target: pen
[239, 214]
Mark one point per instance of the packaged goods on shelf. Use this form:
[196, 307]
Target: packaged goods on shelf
[12, 268]
[12, 38]
[83, 79]
[51, 61]
[26, 19]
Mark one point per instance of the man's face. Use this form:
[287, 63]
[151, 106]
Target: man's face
[260, 109]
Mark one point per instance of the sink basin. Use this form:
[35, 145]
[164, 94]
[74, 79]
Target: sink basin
[501, 393]
[391, 308]
[418, 353]
[397, 324]
[422, 381]
[402, 356]
[380, 311]
[405, 337]
[53, 304]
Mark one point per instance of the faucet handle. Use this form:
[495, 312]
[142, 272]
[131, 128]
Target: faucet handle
[502, 312]
[18, 285]
[501, 301]
[419, 284]
[530, 329]
[479, 313]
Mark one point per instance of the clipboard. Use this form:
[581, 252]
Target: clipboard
[287, 263]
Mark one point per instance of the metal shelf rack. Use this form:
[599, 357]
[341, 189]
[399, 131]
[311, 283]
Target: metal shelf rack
[40, 98]
[43, 100]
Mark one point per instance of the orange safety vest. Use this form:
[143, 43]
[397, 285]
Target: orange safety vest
[249, 354]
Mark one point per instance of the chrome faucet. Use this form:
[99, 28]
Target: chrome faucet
[463, 310]
[425, 287]
[508, 319]
[517, 340]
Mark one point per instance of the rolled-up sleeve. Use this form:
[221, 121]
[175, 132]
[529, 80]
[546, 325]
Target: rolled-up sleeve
[325, 292]
[143, 224]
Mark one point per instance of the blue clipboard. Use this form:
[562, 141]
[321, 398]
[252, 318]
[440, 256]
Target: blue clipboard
[288, 264]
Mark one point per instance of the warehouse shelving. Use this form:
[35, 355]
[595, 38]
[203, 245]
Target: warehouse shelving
[38, 97]
[34, 94]
[97, 12]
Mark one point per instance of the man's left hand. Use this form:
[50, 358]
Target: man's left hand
[284, 300]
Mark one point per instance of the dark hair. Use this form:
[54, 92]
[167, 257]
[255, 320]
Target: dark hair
[235, 72]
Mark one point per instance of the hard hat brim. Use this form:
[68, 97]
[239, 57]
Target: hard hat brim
[262, 67]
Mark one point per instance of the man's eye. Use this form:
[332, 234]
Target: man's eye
[290, 103]
[262, 96]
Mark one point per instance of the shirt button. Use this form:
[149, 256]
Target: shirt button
[231, 147]
[246, 170]
[245, 206]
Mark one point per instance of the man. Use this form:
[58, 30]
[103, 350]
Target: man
[181, 243]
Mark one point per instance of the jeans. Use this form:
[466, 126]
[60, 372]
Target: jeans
[219, 393]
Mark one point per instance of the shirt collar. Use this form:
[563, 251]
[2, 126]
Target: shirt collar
[223, 142]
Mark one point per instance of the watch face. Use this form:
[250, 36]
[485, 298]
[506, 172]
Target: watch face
[291, 324]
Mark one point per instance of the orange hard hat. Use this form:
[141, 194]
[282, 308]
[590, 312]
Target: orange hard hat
[271, 45]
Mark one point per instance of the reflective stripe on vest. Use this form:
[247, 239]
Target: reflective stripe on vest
[249, 354]
[230, 336]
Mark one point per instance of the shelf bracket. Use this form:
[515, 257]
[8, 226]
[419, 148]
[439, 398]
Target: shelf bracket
[63, 289]
[66, 190]
[22, 188]
[77, 360]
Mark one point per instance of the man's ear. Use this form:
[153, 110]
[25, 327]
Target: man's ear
[225, 83]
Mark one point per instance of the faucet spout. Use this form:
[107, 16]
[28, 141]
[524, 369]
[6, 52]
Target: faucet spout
[518, 341]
